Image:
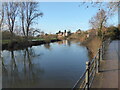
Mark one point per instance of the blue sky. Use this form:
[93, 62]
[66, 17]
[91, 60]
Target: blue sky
[66, 16]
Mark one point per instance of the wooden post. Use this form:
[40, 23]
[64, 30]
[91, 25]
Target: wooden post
[104, 47]
[102, 50]
[99, 58]
[97, 64]
[101, 54]
[87, 74]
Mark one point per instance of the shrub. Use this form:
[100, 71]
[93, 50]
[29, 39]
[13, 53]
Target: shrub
[7, 35]
[112, 32]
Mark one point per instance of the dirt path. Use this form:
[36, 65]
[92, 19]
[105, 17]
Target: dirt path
[109, 69]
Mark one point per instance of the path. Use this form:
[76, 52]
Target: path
[109, 69]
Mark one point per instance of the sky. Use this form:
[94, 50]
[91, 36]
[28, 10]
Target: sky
[67, 16]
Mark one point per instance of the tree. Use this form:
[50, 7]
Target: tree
[22, 16]
[113, 32]
[65, 31]
[99, 20]
[36, 30]
[59, 32]
[11, 9]
[28, 13]
[1, 16]
[69, 32]
[110, 6]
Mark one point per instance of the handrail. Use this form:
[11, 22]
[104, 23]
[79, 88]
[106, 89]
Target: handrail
[94, 57]
[92, 68]
[80, 79]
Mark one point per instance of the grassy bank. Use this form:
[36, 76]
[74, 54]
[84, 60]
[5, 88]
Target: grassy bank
[92, 44]
[10, 42]
[21, 44]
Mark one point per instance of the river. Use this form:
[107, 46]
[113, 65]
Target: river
[54, 65]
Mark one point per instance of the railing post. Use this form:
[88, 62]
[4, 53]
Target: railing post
[102, 50]
[99, 56]
[109, 40]
[97, 62]
[87, 74]
[94, 63]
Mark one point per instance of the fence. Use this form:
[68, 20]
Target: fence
[92, 68]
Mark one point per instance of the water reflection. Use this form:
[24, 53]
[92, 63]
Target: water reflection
[47, 46]
[2, 62]
[3, 65]
[13, 62]
[65, 42]
[21, 73]
[52, 65]
[69, 43]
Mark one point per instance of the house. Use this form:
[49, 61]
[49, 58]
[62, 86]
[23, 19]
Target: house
[63, 34]
[78, 31]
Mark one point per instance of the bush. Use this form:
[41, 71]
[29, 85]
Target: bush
[112, 32]
[7, 35]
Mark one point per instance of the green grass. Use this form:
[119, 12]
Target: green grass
[5, 41]
[18, 40]
[39, 39]
[53, 38]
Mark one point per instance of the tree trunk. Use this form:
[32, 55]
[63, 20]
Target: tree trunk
[23, 28]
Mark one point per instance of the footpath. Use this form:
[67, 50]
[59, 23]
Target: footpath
[109, 75]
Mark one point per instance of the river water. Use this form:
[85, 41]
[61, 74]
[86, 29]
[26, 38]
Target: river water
[54, 65]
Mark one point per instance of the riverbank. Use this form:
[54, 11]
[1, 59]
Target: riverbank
[21, 44]
[13, 42]
[92, 44]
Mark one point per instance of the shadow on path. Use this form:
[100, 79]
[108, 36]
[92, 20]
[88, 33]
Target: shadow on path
[102, 71]
[108, 76]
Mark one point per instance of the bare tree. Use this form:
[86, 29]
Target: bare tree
[1, 16]
[22, 16]
[31, 14]
[28, 12]
[113, 6]
[11, 9]
[36, 30]
[99, 20]
[106, 10]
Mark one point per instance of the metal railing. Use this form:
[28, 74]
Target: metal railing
[92, 67]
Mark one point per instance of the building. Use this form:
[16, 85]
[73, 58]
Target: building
[63, 34]
[78, 31]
